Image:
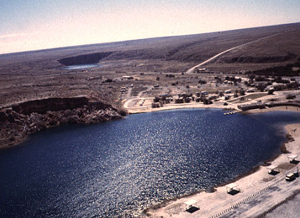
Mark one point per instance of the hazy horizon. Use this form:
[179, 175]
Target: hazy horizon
[37, 25]
[99, 43]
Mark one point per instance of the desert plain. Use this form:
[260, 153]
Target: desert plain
[240, 71]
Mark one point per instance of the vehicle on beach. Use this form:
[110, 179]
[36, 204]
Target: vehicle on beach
[290, 176]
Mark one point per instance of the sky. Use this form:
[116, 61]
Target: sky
[39, 24]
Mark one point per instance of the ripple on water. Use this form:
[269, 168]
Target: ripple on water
[118, 168]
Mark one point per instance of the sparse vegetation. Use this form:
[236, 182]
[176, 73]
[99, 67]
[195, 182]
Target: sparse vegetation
[123, 112]
[202, 82]
[290, 96]
[160, 65]
[287, 70]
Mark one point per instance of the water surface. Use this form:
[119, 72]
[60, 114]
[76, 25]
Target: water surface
[118, 168]
[81, 66]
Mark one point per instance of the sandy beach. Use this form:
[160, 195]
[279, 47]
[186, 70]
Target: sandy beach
[142, 104]
[132, 107]
[260, 192]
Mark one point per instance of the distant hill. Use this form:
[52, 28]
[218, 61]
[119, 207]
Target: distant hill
[277, 50]
[282, 46]
[36, 75]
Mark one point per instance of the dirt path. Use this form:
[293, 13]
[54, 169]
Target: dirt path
[191, 70]
[142, 92]
[131, 102]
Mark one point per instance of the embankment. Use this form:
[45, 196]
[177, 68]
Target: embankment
[20, 120]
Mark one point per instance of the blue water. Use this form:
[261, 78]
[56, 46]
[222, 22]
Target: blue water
[81, 66]
[118, 168]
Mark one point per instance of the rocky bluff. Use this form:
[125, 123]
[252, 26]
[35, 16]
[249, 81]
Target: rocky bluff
[23, 119]
[84, 59]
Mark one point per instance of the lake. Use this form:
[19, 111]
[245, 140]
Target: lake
[80, 66]
[118, 168]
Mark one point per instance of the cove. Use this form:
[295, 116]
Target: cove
[116, 169]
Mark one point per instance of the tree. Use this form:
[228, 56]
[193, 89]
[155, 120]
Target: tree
[156, 99]
[261, 87]
[290, 96]
[251, 76]
[108, 80]
[202, 82]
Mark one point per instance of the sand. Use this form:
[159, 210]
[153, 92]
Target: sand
[281, 108]
[133, 106]
[143, 104]
[289, 209]
[260, 193]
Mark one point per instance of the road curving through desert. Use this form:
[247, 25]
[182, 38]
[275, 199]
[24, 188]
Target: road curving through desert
[191, 70]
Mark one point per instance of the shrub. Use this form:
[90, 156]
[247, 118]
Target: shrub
[108, 80]
[290, 96]
[242, 92]
[202, 82]
[123, 112]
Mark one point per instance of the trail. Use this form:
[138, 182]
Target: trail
[137, 98]
[226, 51]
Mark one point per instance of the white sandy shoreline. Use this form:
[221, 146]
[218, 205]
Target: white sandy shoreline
[135, 110]
[255, 187]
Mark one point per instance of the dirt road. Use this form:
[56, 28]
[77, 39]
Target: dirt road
[191, 70]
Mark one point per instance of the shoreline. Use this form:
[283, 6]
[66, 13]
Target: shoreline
[177, 203]
[18, 121]
[255, 179]
[181, 106]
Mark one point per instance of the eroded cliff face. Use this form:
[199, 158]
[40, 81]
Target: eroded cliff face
[50, 104]
[21, 120]
[84, 59]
